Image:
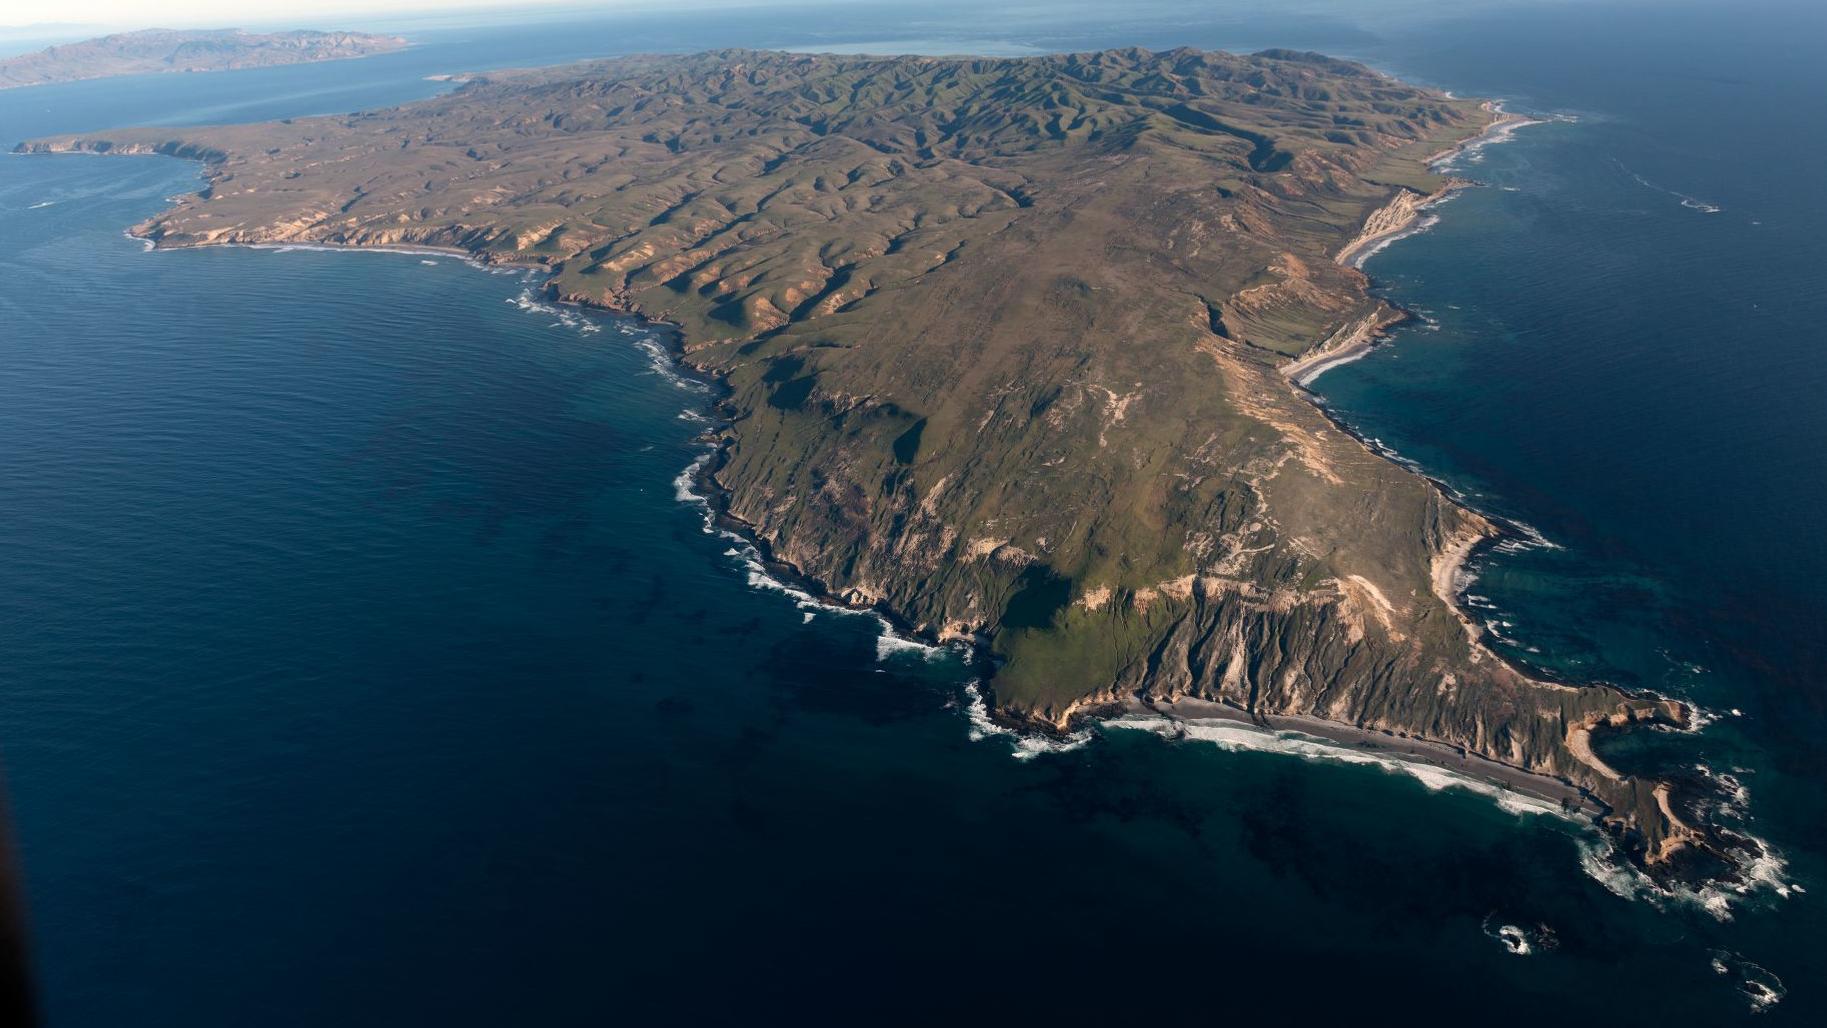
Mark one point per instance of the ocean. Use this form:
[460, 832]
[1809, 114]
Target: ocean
[368, 661]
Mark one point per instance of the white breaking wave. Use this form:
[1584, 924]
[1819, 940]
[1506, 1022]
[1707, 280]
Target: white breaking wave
[760, 578]
[1025, 745]
[1418, 226]
[755, 570]
[567, 317]
[1698, 718]
[1513, 938]
[1520, 941]
[1763, 871]
[682, 483]
[409, 251]
[661, 363]
[1736, 796]
[1391, 454]
[1473, 152]
[889, 644]
[1691, 203]
[1601, 865]
[978, 713]
[1532, 539]
[1237, 737]
[1029, 745]
[1761, 988]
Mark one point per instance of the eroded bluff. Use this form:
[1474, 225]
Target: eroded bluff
[1003, 341]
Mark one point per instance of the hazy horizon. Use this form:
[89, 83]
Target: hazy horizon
[73, 17]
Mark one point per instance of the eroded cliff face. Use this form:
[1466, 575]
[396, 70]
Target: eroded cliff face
[1004, 341]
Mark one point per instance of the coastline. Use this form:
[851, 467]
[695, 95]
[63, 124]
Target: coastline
[408, 250]
[1397, 218]
[1091, 708]
[1677, 864]
[1347, 344]
[1502, 126]
[1403, 216]
[1366, 745]
[1394, 220]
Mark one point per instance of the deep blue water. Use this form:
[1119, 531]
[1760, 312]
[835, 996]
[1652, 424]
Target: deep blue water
[362, 666]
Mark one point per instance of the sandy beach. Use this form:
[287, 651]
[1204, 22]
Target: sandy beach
[1381, 745]
[1392, 221]
[1342, 347]
[1397, 217]
[1503, 125]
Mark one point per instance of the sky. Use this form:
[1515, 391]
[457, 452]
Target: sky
[119, 14]
[62, 20]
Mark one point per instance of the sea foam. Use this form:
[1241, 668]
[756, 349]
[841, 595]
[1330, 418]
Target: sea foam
[1761, 872]
[1023, 745]
[1415, 228]
[1761, 988]
[1520, 941]
[1238, 737]
[1472, 152]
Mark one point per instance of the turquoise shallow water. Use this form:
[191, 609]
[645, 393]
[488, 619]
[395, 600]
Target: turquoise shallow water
[363, 666]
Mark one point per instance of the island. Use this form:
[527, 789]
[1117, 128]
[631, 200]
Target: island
[1013, 351]
[160, 50]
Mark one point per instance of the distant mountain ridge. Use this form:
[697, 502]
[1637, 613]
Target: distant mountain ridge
[159, 50]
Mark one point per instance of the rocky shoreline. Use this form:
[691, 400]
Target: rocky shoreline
[1392, 221]
[1387, 745]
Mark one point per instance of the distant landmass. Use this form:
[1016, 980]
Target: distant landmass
[156, 50]
[1013, 350]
